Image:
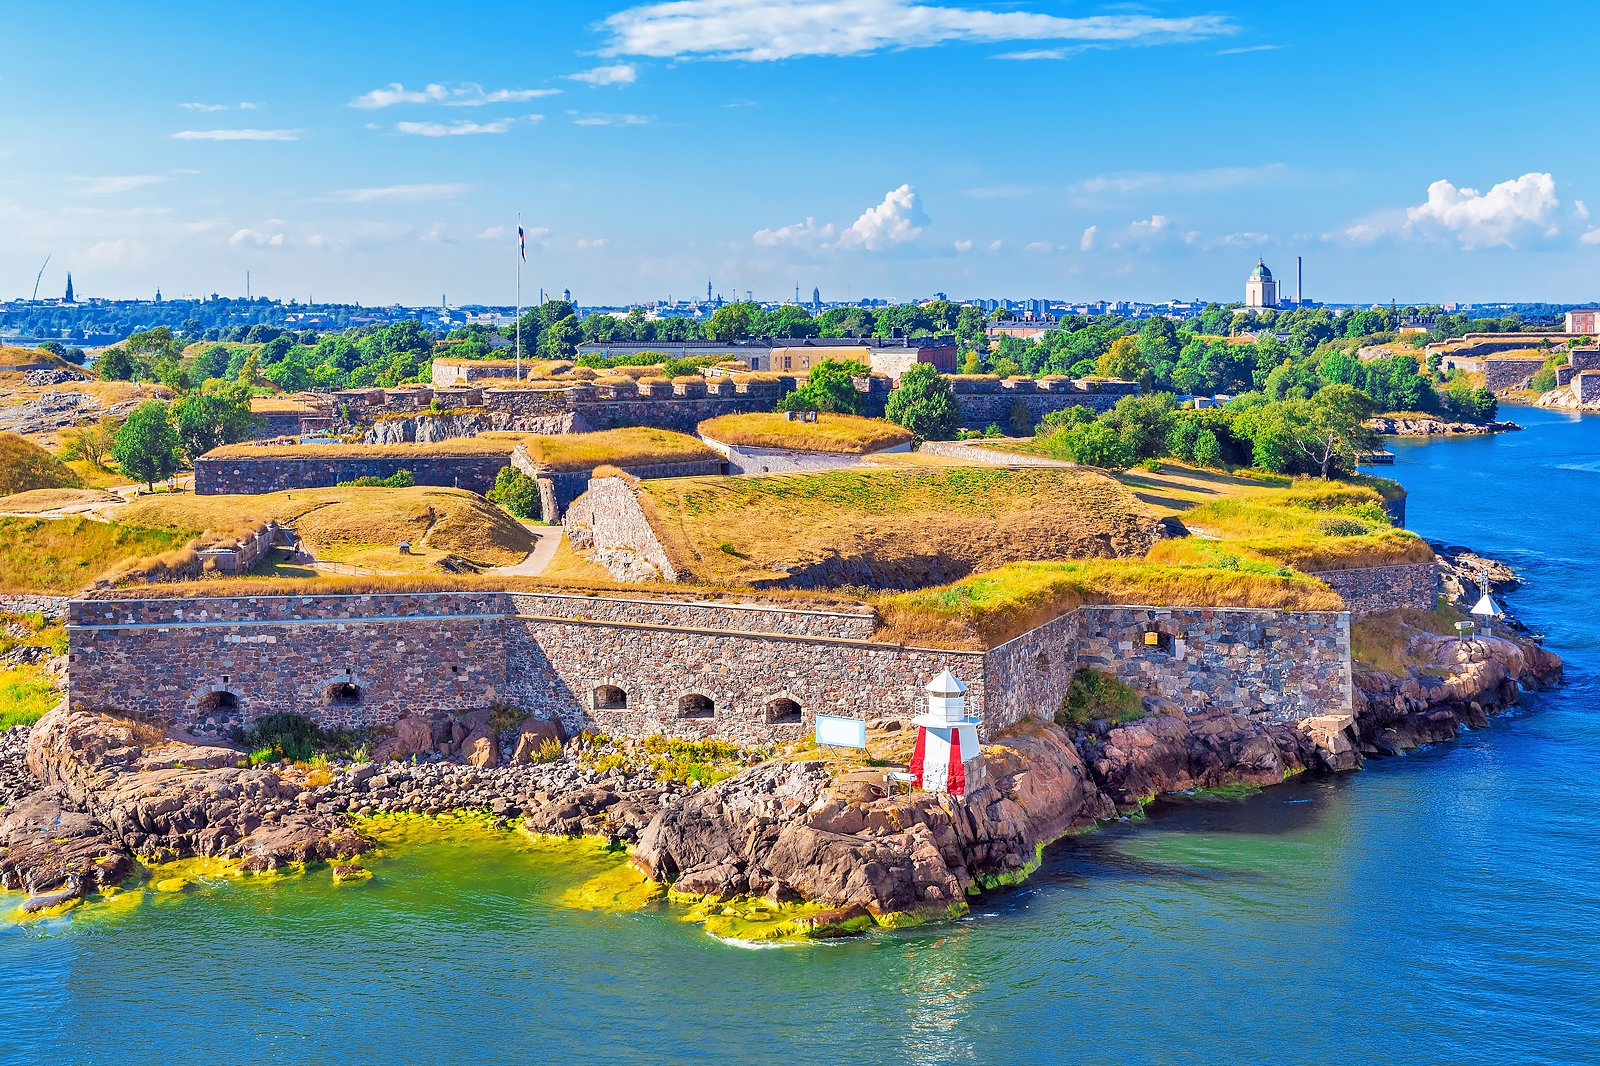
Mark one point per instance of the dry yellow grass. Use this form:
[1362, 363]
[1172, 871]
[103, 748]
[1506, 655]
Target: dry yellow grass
[909, 526]
[358, 526]
[37, 501]
[67, 554]
[634, 446]
[274, 405]
[833, 433]
[24, 465]
[18, 357]
[988, 609]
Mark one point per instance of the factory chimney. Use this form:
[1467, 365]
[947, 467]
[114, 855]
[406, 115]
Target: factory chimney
[1299, 281]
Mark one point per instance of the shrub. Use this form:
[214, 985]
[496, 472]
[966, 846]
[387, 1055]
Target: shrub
[548, 751]
[1152, 465]
[1096, 696]
[516, 492]
[400, 479]
[288, 736]
[1207, 449]
[1343, 527]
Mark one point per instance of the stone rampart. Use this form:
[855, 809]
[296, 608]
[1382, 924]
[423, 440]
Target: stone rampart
[744, 459]
[610, 519]
[558, 488]
[637, 666]
[1375, 589]
[210, 664]
[275, 472]
[1506, 373]
[991, 401]
[51, 608]
[1267, 664]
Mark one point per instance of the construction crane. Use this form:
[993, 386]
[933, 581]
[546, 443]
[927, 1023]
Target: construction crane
[39, 277]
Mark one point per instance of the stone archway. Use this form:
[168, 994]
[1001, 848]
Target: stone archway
[610, 698]
[782, 710]
[696, 705]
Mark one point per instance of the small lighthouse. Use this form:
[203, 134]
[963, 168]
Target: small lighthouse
[946, 757]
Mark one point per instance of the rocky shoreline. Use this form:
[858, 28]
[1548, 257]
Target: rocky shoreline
[1436, 427]
[86, 796]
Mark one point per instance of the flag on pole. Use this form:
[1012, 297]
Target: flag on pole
[522, 243]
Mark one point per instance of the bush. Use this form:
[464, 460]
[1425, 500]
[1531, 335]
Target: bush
[287, 736]
[516, 492]
[400, 479]
[1152, 465]
[1097, 444]
[1207, 449]
[1343, 527]
[1096, 696]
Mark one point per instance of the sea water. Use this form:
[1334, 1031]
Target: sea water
[1435, 908]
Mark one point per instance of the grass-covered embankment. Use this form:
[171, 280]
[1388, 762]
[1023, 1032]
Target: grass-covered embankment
[832, 433]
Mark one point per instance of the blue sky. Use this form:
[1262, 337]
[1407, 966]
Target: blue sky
[381, 153]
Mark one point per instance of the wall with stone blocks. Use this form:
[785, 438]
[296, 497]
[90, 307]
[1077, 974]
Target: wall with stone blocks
[559, 488]
[53, 608]
[1268, 664]
[1502, 372]
[984, 402]
[166, 658]
[276, 473]
[609, 519]
[556, 655]
[1375, 589]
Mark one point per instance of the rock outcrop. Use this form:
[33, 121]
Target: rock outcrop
[1435, 427]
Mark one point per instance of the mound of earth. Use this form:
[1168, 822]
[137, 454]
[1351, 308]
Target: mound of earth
[362, 526]
[42, 501]
[889, 528]
[25, 466]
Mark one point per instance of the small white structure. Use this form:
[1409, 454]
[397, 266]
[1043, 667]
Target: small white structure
[947, 757]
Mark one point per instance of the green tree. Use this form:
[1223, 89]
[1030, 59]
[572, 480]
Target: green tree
[155, 344]
[1207, 449]
[114, 364]
[1097, 444]
[731, 321]
[925, 403]
[516, 492]
[1328, 428]
[147, 446]
[212, 418]
[1143, 423]
[829, 387]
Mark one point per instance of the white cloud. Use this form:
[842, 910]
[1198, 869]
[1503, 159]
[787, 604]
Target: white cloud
[453, 129]
[1146, 228]
[1246, 239]
[617, 74]
[109, 253]
[761, 30]
[1591, 237]
[963, 246]
[610, 120]
[1249, 50]
[1039, 247]
[243, 105]
[402, 193]
[1206, 180]
[254, 238]
[109, 186]
[465, 95]
[237, 135]
[995, 246]
[1500, 217]
[895, 221]
[590, 243]
[1086, 242]
[801, 233]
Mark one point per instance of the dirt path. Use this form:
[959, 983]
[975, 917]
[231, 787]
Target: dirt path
[539, 558]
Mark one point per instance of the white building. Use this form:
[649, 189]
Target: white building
[1259, 289]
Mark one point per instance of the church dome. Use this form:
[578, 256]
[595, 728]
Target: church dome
[1261, 272]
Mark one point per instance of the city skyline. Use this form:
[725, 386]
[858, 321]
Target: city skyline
[1038, 149]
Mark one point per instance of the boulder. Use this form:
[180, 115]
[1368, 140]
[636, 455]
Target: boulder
[532, 734]
[481, 748]
[412, 735]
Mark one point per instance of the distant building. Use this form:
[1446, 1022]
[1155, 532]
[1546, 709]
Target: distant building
[1029, 327]
[1260, 291]
[1586, 321]
[796, 355]
[68, 299]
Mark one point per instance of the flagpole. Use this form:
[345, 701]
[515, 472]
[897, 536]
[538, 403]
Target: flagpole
[520, 254]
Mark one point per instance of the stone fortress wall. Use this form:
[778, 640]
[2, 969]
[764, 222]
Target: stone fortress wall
[641, 665]
[1375, 589]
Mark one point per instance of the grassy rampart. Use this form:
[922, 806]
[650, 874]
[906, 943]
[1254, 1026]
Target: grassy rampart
[834, 433]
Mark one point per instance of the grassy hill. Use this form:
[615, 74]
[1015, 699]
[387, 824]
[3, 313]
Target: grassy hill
[65, 555]
[25, 466]
[890, 528]
[839, 434]
[358, 526]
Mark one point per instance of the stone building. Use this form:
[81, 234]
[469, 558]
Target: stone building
[1260, 290]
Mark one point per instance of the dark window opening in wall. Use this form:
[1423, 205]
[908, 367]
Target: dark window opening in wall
[695, 705]
[212, 702]
[342, 694]
[610, 698]
[783, 711]
[1042, 663]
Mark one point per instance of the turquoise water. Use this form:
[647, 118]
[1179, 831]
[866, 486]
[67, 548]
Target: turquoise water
[1438, 908]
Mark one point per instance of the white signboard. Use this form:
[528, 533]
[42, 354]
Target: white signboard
[841, 732]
